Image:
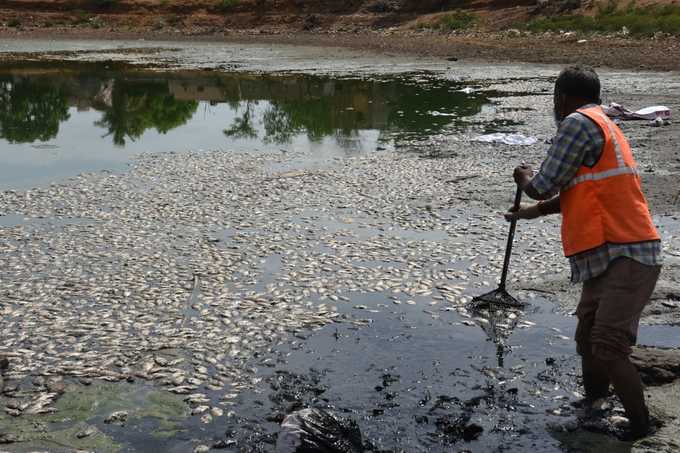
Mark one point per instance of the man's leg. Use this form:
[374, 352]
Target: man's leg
[626, 288]
[628, 387]
[595, 378]
[594, 373]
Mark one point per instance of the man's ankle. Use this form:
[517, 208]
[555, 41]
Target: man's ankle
[640, 426]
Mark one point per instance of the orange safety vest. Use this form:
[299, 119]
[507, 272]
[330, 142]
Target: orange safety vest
[604, 203]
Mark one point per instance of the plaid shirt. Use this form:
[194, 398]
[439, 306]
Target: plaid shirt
[579, 141]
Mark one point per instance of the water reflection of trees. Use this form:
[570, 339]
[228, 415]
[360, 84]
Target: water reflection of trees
[31, 110]
[321, 107]
[136, 107]
[274, 109]
[243, 125]
[316, 117]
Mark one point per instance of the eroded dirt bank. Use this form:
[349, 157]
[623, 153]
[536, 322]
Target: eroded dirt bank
[386, 26]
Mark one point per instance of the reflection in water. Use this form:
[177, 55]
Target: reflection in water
[243, 123]
[31, 110]
[266, 108]
[138, 106]
[96, 117]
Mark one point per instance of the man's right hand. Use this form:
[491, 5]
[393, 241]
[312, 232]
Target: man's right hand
[525, 212]
[522, 175]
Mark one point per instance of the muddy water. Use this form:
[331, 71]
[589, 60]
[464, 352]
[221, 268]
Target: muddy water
[408, 373]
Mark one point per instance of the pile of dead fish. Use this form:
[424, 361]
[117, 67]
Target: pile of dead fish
[188, 269]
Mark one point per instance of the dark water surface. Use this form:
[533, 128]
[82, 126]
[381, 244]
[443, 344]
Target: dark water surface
[408, 375]
[61, 119]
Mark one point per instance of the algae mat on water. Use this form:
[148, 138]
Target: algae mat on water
[78, 422]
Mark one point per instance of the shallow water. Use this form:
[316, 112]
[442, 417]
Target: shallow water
[409, 369]
[61, 119]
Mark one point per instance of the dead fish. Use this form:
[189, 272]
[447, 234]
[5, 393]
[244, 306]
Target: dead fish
[117, 418]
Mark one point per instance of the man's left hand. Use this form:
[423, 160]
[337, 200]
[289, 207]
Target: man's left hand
[523, 175]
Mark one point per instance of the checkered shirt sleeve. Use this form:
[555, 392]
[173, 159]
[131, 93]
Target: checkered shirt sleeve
[578, 141]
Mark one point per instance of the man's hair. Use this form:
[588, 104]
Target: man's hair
[579, 82]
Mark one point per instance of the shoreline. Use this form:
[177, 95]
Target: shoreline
[502, 47]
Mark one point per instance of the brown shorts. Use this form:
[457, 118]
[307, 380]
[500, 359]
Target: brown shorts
[610, 308]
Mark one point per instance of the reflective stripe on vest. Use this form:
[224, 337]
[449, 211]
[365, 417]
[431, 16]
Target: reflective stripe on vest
[617, 146]
[622, 168]
[625, 170]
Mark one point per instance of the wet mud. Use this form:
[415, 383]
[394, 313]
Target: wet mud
[245, 284]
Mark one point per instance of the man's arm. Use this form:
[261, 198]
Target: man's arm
[533, 211]
[576, 138]
[551, 206]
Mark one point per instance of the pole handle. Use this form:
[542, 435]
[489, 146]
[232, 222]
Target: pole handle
[518, 197]
[511, 237]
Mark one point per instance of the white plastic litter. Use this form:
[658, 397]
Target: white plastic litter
[508, 139]
[615, 110]
[659, 122]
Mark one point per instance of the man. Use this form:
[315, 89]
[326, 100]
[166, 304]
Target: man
[608, 235]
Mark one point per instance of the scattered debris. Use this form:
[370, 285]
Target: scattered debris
[507, 139]
[117, 418]
[87, 432]
[318, 431]
[653, 113]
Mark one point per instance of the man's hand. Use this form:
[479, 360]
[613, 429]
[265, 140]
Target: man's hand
[523, 175]
[525, 212]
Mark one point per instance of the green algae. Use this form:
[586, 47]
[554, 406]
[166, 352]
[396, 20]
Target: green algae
[87, 406]
[32, 432]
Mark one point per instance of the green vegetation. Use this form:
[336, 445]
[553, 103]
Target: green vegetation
[611, 18]
[457, 20]
[13, 23]
[138, 106]
[227, 5]
[31, 110]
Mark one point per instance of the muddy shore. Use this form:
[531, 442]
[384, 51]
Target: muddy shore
[658, 54]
